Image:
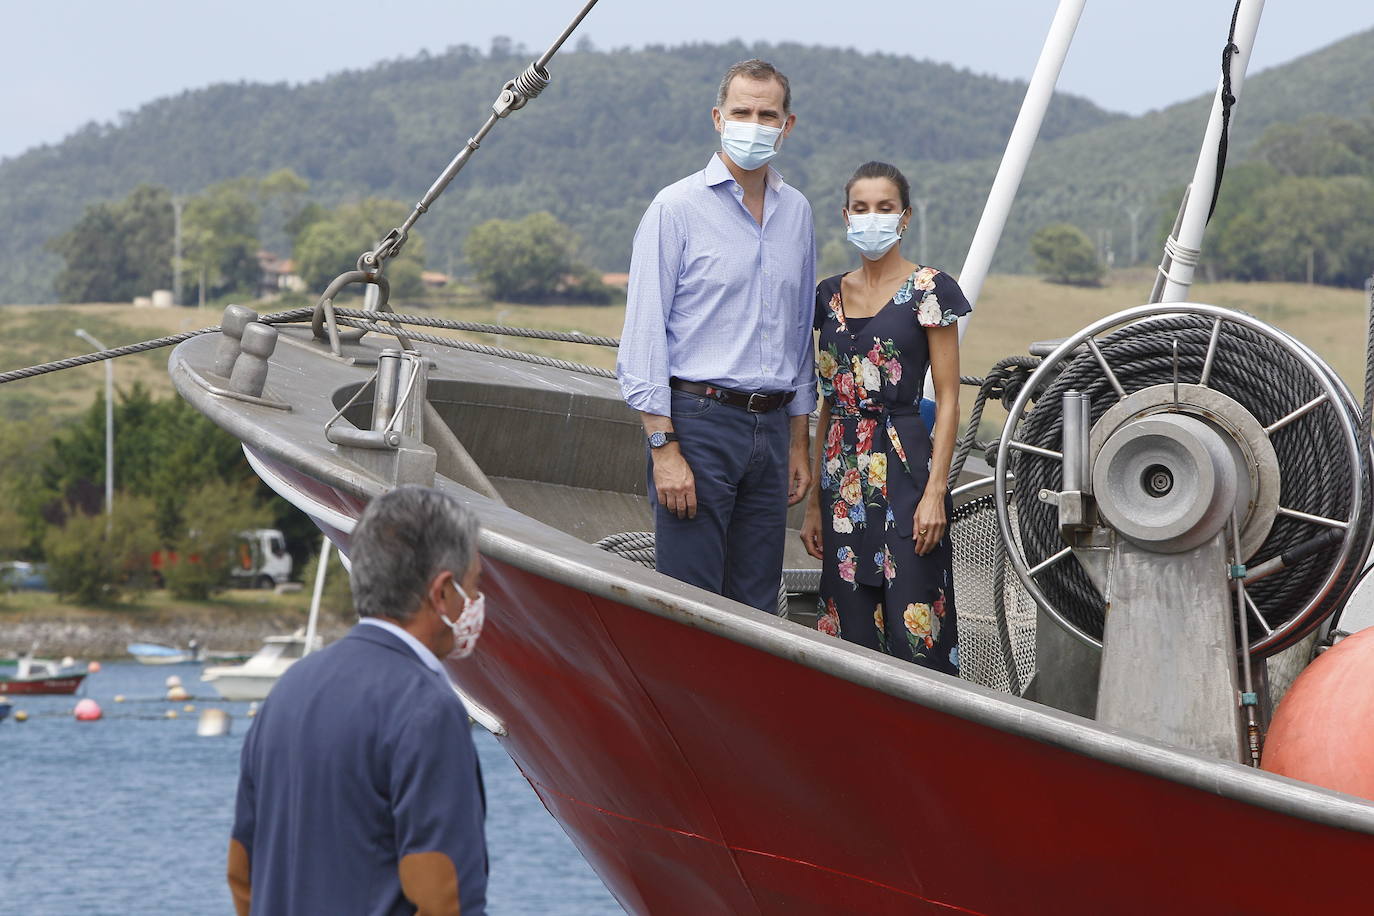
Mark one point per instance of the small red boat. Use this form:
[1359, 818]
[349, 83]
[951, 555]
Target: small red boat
[42, 676]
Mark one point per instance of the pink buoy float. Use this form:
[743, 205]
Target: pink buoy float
[87, 710]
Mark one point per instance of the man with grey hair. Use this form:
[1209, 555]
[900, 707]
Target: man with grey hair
[359, 786]
[717, 354]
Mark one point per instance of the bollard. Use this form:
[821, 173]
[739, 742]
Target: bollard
[236, 318]
[250, 369]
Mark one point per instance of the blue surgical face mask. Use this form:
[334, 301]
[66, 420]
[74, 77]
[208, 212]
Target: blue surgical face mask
[748, 144]
[874, 233]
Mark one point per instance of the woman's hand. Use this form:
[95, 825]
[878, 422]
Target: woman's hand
[928, 526]
[811, 530]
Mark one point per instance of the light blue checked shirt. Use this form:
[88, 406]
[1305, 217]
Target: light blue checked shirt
[714, 297]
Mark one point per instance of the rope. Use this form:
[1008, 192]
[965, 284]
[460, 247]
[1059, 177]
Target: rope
[1254, 371]
[476, 327]
[1369, 362]
[15, 375]
[1003, 381]
[482, 348]
[1228, 100]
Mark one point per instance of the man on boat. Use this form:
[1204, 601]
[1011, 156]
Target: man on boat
[359, 786]
[717, 353]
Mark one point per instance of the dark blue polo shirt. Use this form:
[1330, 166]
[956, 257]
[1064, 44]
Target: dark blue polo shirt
[360, 756]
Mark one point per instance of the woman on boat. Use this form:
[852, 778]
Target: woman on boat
[878, 518]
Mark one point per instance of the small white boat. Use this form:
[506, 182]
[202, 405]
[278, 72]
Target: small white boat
[254, 679]
[153, 654]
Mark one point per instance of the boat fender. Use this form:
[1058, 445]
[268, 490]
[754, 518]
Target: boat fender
[87, 710]
[214, 723]
[170, 714]
[1320, 732]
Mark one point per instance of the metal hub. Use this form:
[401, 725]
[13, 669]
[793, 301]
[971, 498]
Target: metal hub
[1169, 482]
[1230, 419]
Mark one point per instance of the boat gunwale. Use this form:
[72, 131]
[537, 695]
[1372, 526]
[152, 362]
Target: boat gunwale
[585, 567]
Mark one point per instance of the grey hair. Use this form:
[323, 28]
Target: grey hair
[405, 538]
[755, 69]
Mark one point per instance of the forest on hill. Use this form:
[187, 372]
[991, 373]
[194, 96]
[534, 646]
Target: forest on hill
[617, 125]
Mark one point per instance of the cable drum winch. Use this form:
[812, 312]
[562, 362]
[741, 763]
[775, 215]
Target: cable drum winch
[1193, 416]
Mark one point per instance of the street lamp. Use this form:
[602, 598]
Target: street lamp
[109, 421]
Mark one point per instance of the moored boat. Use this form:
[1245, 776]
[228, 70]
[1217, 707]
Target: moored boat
[254, 678]
[42, 676]
[154, 654]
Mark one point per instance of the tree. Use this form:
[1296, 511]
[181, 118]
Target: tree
[117, 251]
[214, 514]
[220, 233]
[331, 244]
[522, 260]
[1318, 229]
[93, 559]
[1065, 255]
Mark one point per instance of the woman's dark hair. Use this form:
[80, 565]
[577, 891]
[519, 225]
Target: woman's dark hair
[882, 170]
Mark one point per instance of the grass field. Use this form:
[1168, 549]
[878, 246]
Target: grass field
[1013, 311]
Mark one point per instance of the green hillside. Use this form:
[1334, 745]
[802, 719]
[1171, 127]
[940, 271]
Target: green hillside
[616, 126]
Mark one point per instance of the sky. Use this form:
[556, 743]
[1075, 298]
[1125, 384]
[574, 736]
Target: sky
[69, 62]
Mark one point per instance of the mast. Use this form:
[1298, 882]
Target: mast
[1019, 145]
[1182, 249]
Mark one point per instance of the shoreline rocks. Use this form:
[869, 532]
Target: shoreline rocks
[108, 637]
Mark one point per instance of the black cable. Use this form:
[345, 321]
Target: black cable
[1263, 378]
[1228, 100]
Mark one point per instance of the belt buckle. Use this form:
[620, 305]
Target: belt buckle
[751, 408]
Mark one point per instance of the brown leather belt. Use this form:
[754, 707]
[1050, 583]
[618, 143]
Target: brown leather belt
[754, 402]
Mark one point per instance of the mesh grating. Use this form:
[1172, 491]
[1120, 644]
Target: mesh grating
[996, 615]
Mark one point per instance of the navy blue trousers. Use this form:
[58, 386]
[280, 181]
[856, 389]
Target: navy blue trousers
[734, 545]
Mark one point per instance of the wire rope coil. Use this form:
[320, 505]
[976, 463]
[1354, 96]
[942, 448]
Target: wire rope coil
[1322, 451]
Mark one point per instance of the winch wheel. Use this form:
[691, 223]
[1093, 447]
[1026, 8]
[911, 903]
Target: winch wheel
[1274, 402]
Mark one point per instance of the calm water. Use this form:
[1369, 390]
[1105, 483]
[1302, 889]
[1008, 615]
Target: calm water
[132, 814]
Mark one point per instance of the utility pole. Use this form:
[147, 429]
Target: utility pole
[922, 252]
[1134, 214]
[109, 427]
[177, 204]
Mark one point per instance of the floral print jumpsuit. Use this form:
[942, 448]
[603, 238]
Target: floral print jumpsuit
[875, 590]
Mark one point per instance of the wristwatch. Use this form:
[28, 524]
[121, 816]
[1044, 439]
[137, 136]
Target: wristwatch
[660, 439]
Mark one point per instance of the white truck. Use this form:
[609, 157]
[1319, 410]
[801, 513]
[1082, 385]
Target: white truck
[262, 560]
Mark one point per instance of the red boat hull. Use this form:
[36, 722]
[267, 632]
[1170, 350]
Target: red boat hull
[66, 684]
[699, 775]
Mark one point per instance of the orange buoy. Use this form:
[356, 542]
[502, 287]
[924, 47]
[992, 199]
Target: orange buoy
[87, 710]
[1320, 733]
[93, 667]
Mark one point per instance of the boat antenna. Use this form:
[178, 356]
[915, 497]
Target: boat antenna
[514, 96]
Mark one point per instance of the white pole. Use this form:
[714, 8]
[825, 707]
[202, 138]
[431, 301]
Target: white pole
[109, 426]
[1019, 144]
[1184, 249]
[315, 598]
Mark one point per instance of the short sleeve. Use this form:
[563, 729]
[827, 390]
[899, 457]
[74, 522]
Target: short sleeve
[825, 292]
[943, 302]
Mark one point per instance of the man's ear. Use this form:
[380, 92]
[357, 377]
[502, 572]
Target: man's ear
[788, 124]
[434, 594]
[717, 119]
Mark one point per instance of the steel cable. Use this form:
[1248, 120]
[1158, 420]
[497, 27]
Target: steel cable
[1254, 371]
[15, 375]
